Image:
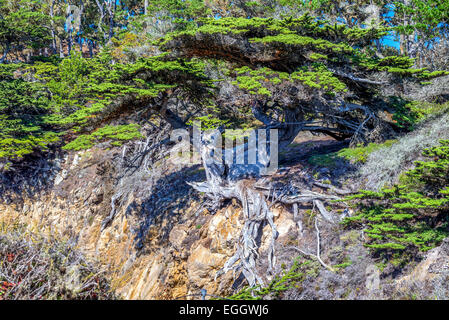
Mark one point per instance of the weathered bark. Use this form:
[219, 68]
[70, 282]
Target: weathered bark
[52, 27]
[80, 40]
[101, 17]
[69, 18]
[253, 196]
[111, 7]
[61, 49]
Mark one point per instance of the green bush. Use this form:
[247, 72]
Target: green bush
[23, 108]
[286, 280]
[358, 154]
[412, 215]
[43, 101]
[117, 134]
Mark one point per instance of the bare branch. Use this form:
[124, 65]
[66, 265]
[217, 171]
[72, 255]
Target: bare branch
[326, 215]
[354, 78]
[317, 255]
[333, 188]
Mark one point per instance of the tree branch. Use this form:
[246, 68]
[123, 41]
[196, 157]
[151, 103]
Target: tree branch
[317, 255]
[354, 78]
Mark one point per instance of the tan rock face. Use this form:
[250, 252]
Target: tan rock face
[202, 265]
[177, 237]
[435, 263]
[171, 264]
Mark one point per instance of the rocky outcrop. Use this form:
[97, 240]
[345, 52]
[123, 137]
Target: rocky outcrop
[177, 253]
[429, 278]
[160, 243]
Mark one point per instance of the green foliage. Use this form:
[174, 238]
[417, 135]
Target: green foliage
[407, 114]
[329, 160]
[82, 87]
[411, 215]
[208, 122]
[265, 81]
[357, 154]
[343, 265]
[281, 283]
[327, 41]
[311, 48]
[23, 107]
[400, 66]
[23, 25]
[425, 16]
[67, 95]
[118, 135]
[360, 153]
[294, 31]
[181, 12]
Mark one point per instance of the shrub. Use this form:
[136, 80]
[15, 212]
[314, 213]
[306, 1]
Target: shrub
[412, 215]
[118, 135]
[32, 267]
[286, 280]
[358, 154]
[23, 107]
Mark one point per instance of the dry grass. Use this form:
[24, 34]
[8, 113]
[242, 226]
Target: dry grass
[384, 166]
[33, 267]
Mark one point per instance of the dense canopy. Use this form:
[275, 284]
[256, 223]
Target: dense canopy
[280, 64]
